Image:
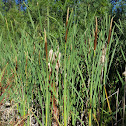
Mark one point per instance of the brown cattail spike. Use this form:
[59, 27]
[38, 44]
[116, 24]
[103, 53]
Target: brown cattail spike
[66, 25]
[110, 29]
[46, 46]
[96, 30]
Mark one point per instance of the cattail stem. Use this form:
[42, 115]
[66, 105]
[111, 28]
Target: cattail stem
[110, 29]
[47, 93]
[66, 25]
[96, 30]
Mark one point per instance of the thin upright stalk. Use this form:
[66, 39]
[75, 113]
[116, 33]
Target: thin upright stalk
[117, 106]
[65, 85]
[48, 16]
[47, 78]
[123, 122]
[65, 113]
[46, 47]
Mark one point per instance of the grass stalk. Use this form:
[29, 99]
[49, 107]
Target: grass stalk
[65, 85]
[46, 79]
[65, 113]
[117, 106]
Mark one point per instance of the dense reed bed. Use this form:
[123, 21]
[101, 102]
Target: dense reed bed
[59, 81]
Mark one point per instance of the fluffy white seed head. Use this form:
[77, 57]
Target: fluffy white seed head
[52, 57]
[124, 73]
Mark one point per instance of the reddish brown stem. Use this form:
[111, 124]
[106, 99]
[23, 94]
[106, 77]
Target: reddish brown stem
[96, 30]
[66, 25]
[110, 30]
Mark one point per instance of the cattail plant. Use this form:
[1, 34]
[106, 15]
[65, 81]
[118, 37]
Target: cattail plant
[77, 94]
[110, 30]
[96, 30]
[103, 58]
[47, 78]
[66, 25]
[54, 58]
[65, 86]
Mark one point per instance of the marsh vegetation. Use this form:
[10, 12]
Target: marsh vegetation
[61, 73]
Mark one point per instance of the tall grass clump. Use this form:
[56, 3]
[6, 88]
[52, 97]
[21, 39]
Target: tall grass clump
[58, 81]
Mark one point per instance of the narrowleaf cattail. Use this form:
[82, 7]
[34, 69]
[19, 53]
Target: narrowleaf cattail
[46, 46]
[52, 59]
[66, 24]
[110, 30]
[96, 30]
